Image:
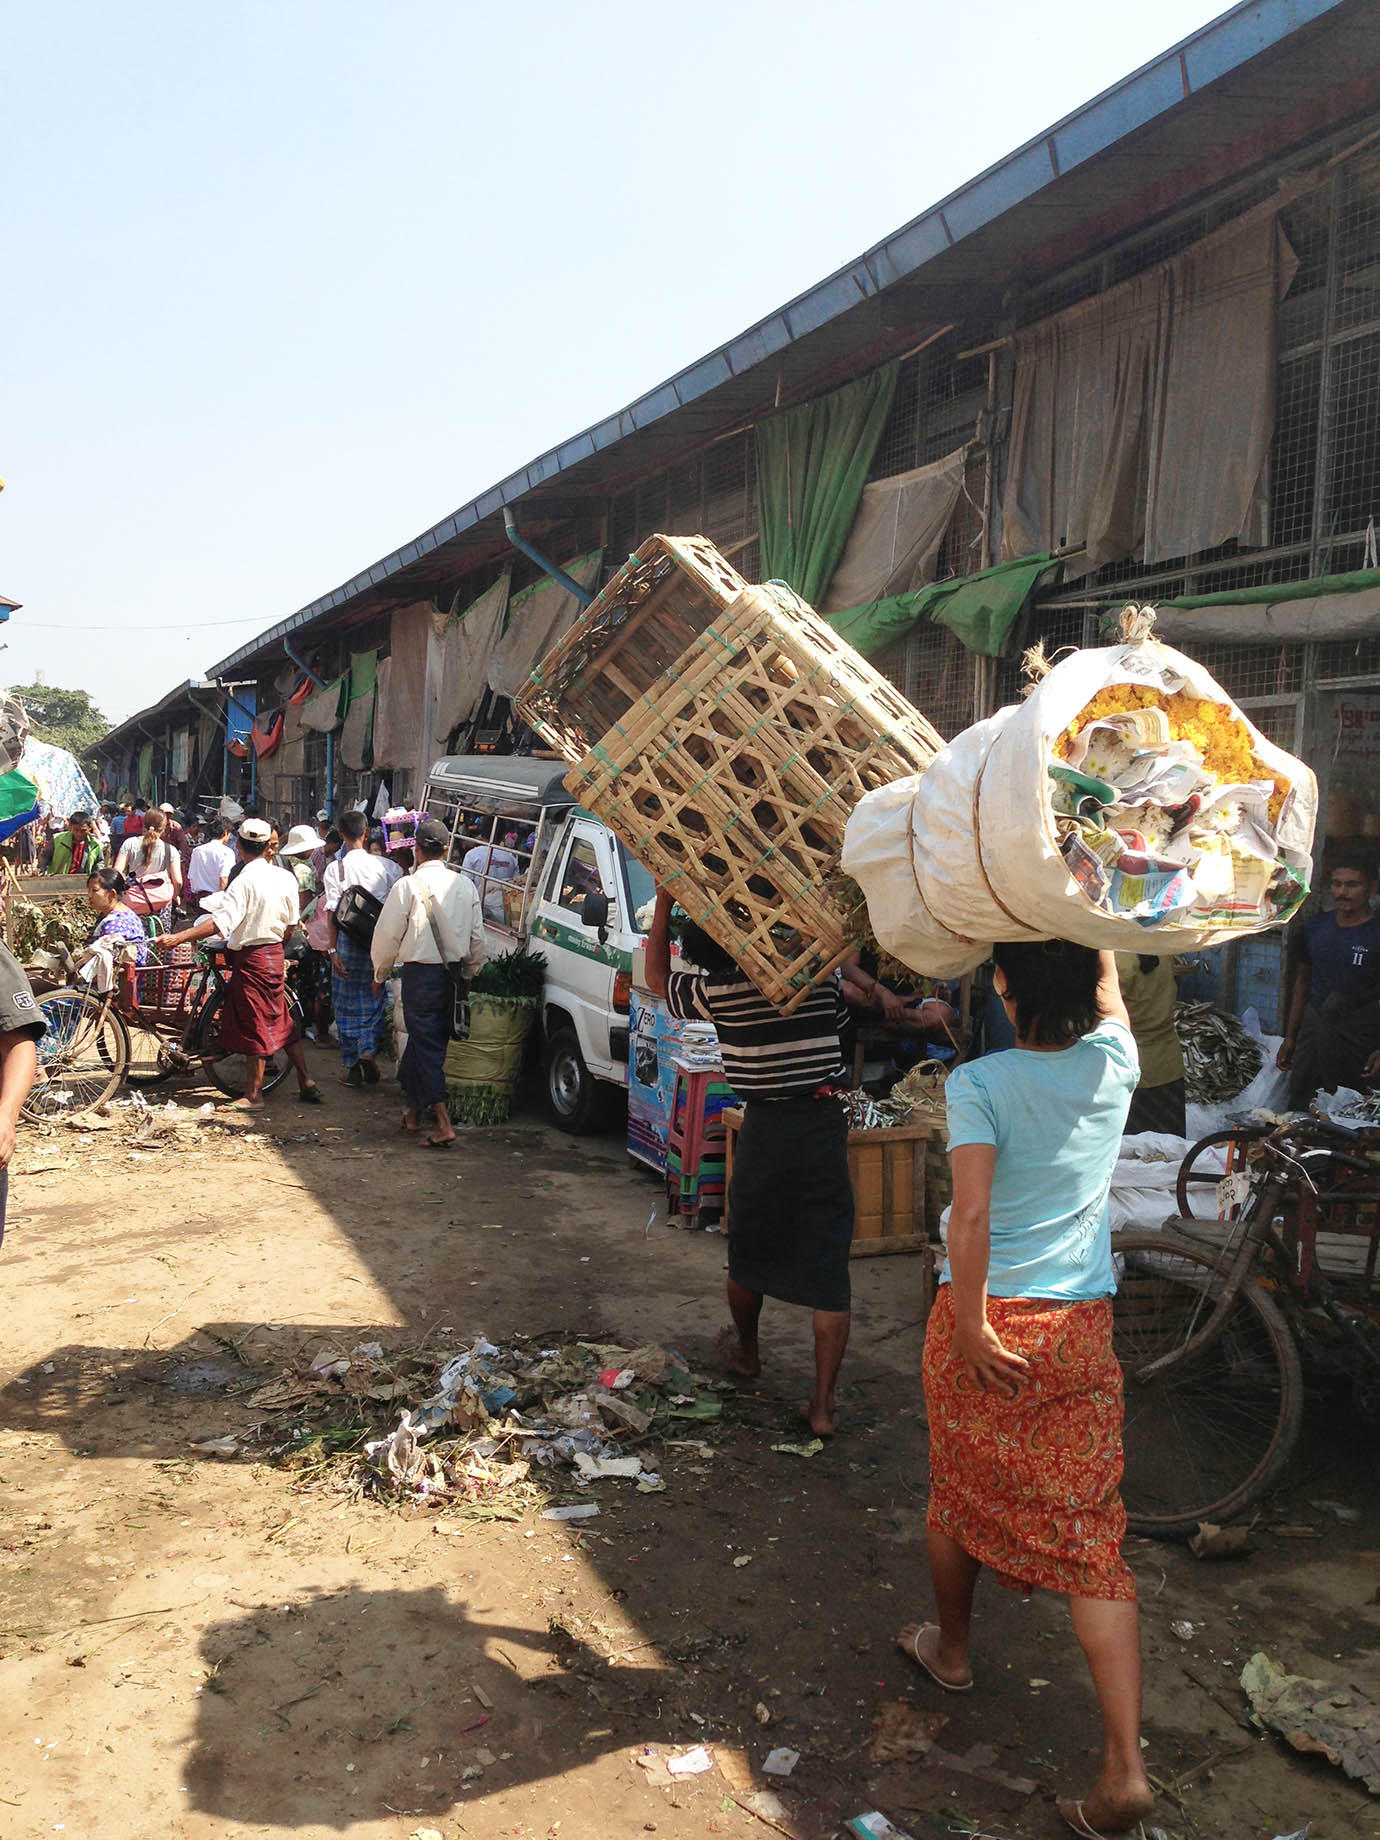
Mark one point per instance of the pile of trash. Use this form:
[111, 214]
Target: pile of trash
[1164, 811]
[494, 1417]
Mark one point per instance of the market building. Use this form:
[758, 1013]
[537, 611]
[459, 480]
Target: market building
[1138, 359]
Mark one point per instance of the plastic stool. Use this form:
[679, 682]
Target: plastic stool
[695, 1138]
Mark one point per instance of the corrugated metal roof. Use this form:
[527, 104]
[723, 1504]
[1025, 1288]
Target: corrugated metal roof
[956, 258]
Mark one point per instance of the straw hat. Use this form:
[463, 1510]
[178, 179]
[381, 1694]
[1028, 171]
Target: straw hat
[301, 841]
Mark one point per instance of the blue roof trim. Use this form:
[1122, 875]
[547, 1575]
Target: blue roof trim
[1136, 100]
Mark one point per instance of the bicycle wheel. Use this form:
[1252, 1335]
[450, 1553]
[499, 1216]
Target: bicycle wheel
[1209, 1433]
[1202, 1169]
[81, 1059]
[228, 1070]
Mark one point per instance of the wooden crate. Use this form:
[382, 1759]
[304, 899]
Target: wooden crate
[732, 779]
[887, 1169]
[665, 595]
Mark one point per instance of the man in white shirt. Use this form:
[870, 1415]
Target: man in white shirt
[209, 870]
[254, 915]
[358, 1008]
[430, 921]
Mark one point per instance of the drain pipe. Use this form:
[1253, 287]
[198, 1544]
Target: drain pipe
[544, 563]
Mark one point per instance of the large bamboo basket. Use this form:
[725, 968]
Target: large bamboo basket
[665, 595]
[732, 778]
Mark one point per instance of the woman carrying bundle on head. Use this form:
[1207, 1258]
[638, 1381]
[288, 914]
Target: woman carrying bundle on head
[1022, 1386]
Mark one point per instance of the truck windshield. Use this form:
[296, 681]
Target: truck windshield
[641, 887]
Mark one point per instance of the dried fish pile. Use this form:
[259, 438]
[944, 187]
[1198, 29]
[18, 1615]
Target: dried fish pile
[1220, 1058]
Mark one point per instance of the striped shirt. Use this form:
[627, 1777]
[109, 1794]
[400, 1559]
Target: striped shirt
[766, 1055]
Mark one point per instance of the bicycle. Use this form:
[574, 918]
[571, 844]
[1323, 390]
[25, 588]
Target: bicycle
[1211, 1321]
[155, 1020]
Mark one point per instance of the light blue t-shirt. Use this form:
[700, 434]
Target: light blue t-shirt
[1056, 1120]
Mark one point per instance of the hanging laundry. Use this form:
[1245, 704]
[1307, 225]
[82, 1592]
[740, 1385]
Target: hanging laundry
[267, 741]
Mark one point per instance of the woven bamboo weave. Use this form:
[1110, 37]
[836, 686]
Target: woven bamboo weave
[732, 777]
[665, 595]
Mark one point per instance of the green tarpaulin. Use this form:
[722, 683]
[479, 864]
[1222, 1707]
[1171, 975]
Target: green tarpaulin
[1267, 593]
[812, 464]
[981, 609]
[18, 794]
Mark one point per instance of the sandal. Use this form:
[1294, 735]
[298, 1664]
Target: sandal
[311, 1095]
[353, 1076]
[911, 1652]
[437, 1143]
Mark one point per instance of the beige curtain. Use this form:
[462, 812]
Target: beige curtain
[1142, 418]
[458, 660]
[536, 619]
[400, 710]
[896, 534]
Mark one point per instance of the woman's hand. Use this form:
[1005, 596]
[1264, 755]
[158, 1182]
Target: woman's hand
[990, 1366]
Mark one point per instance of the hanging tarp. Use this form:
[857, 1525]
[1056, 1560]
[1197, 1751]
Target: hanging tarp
[356, 735]
[897, 533]
[62, 786]
[981, 609]
[241, 705]
[143, 771]
[812, 465]
[400, 706]
[537, 618]
[18, 802]
[324, 709]
[181, 754]
[266, 738]
[1142, 418]
[1287, 612]
[458, 666]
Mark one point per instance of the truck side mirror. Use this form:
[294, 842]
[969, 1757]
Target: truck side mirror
[594, 911]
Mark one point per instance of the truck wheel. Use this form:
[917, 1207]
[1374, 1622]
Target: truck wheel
[576, 1101]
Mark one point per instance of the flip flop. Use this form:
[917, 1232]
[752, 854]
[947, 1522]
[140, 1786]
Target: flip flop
[353, 1076]
[911, 1653]
[438, 1143]
[312, 1096]
[1071, 1814]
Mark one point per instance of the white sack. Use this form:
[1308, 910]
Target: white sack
[967, 853]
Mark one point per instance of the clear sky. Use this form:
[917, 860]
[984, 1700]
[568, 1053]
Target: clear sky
[287, 281]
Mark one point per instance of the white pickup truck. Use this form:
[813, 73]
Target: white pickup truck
[556, 880]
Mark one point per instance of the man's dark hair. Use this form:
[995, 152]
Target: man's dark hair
[1053, 984]
[699, 949]
[79, 817]
[219, 829]
[250, 847]
[332, 839]
[1357, 861]
[141, 804]
[353, 826]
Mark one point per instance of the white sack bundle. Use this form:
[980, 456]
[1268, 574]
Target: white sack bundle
[1127, 803]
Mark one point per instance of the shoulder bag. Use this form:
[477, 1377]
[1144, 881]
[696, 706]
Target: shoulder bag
[357, 914]
[459, 983]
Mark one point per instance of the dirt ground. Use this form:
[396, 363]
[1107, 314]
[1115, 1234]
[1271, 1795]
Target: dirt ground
[197, 1646]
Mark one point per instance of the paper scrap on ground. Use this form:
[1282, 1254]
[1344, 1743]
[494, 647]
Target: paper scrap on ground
[811, 1449]
[875, 1826]
[578, 1511]
[1315, 1716]
[690, 1763]
[781, 1761]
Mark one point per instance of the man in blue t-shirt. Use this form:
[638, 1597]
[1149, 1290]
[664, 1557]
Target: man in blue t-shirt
[1332, 1036]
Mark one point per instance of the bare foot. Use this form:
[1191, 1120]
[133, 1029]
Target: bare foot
[737, 1359]
[1108, 1810]
[919, 1642]
[822, 1419]
[411, 1123]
